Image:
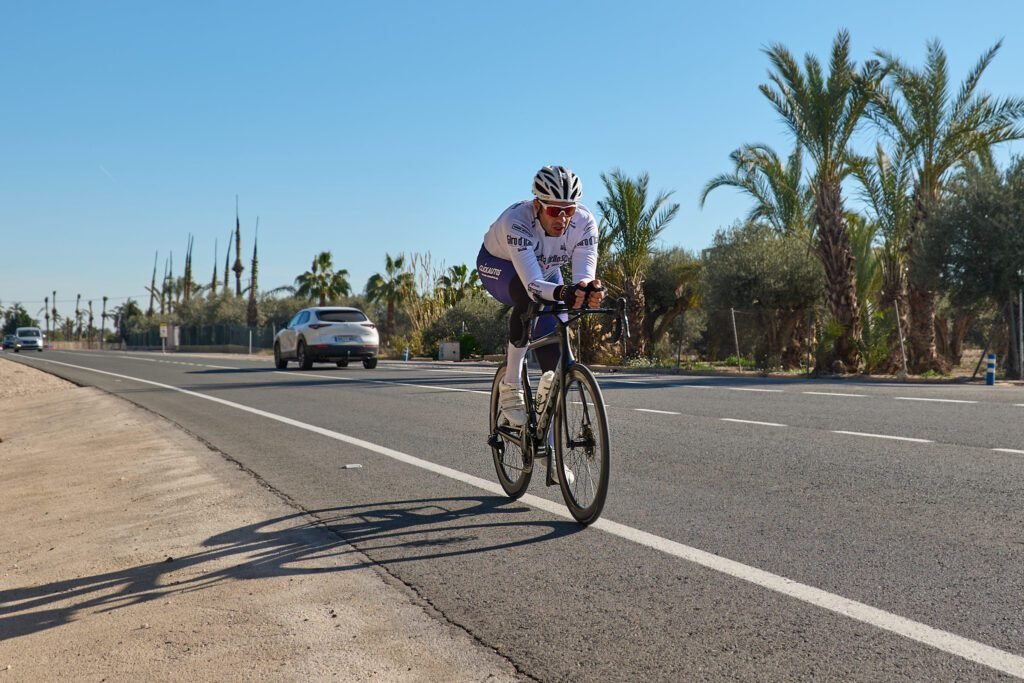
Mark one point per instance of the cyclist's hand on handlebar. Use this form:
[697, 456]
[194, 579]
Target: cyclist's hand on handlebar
[595, 293]
[587, 293]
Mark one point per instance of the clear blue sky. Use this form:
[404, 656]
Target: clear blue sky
[366, 128]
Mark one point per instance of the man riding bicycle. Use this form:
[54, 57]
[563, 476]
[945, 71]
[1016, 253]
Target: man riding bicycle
[521, 260]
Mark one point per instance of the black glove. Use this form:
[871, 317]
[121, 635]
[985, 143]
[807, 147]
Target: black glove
[566, 294]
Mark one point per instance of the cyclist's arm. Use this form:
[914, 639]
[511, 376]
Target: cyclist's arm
[528, 268]
[584, 254]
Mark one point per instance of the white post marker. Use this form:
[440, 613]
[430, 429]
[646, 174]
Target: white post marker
[990, 373]
[163, 337]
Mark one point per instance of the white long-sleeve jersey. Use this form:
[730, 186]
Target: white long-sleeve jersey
[517, 236]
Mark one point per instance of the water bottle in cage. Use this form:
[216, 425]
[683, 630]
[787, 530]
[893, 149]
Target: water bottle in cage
[544, 388]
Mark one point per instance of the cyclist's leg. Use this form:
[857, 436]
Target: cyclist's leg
[547, 356]
[500, 279]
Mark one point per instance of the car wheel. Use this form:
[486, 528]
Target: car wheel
[342, 363]
[369, 363]
[279, 363]
[305, 362]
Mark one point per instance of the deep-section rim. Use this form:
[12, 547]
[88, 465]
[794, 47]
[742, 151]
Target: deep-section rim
[583, 466]
[515, 488]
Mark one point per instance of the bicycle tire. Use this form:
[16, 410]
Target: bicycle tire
[509, 459]
[581, 445]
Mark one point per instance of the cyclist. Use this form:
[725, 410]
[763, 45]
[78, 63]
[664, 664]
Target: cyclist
[521, 260]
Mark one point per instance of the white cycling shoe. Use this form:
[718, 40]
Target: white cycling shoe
[570, 478]
[512, 403]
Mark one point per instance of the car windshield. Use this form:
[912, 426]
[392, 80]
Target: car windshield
[341, 316]
[28, 333]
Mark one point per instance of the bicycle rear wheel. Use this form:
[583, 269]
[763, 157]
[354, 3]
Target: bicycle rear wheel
[581, 445]
[507, 448]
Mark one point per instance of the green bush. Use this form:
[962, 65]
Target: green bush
[479, 318]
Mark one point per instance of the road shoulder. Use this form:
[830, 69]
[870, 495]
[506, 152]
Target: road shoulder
[133, 551]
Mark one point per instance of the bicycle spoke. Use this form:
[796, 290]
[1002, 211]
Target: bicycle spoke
[583, 446]
[510, 461]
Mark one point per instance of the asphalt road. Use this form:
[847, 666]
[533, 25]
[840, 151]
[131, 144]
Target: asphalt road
[755, 529]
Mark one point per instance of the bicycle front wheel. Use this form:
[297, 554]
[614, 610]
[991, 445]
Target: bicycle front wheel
[506, 442]
[581, 445]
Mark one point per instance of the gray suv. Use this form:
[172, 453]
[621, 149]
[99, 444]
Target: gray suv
[28, 339]
[327, 334]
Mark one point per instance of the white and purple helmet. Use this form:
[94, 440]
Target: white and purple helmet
[557, 184]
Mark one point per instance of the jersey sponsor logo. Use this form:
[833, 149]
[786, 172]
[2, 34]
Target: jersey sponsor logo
[534, 290]
[489, 271]
[554, 260]
[522, 229]
[514, 241]
[588, 242]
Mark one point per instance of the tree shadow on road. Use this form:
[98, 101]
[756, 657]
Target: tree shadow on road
[385, 534]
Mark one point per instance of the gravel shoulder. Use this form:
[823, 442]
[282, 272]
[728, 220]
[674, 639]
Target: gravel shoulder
[131, 551]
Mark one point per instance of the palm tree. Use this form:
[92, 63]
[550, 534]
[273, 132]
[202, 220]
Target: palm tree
[634, 225]
[941, 130]
[321, 282]
[886, 183]
[780, 198]
[396, 286]
[458, 283]
[822, 112]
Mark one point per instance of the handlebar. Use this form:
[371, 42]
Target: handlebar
[538, 308]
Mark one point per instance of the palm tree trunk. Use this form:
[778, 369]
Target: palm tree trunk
[894, 293]
[840, 277]
[390, 320]
[923, 350]
[636, 346]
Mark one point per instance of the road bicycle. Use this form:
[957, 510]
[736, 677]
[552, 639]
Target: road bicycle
[574, 403]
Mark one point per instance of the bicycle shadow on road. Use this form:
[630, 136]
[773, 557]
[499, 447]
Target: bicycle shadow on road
[383, 534]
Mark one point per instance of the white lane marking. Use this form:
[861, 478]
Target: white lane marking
[651, 410]
[751, 422]
[941, 640]
[1008, 450]
[465, 372]
[882, 436]
[933, 400]
[767, 391]
[832, 393]
[156, 360]
[951, 643]
[378, 381]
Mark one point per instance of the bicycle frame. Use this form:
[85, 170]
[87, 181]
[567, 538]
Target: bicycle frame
[532, 438]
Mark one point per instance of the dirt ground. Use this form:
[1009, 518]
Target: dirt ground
[131, 551]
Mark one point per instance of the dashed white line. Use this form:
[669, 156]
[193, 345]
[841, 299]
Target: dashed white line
[882, 436]
[766, 391]
[378, 381]
[1008, 450]
[751, 422]
[971, 650]
[833, 393]
[932, 400]
[652, 410]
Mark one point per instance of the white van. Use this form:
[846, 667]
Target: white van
[29, 338]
